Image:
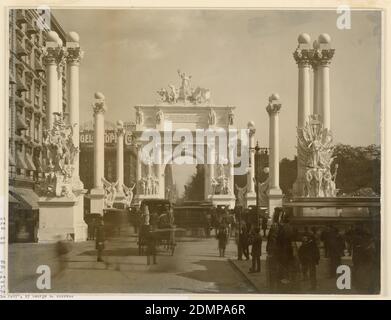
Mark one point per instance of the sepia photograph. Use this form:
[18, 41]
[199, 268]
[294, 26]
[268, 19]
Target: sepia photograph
[194, 150]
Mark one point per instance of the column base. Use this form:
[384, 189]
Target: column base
[61, 218]
[251, 199]
[97, 200]
[275, 200]
[77, 184]
[223, 200]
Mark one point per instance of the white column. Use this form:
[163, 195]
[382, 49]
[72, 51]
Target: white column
[97, 193]
[324, 93]
[211, 169]
[159, 177]
[99, 140]
[302, 57]
[52, 54]
[231, 169]
[74, 55]
[251, 174]
[60, 68]
[275, 193]
[323, 57]
[251, 196]
[206, 182]
[120, 157]
[273, 109]
[316, 109]
[304, 106]
[316, 90]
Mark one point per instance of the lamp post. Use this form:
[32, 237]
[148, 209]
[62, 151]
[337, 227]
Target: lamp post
[257, 160]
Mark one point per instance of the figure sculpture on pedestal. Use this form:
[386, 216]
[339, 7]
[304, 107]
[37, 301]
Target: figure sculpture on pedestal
[212, 117]
[110, 192]
[241, 195]
[139, 117]
[128, 195]
[159, 116]
[316, 153]
[263, 191]
[60, 154]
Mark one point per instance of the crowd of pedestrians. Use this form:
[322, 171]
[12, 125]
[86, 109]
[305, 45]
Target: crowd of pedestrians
[292, 256]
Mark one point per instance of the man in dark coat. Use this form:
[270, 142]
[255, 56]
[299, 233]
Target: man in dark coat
[273, 251]
[151, 247]
[264, 225]
[243, 243]
[222, 237]
[309, 258]
[256, 250]
[100, 239]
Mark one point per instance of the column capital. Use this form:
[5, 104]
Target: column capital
[322, 57]
[99, 106]
[120, 130]
[74, 54]
[53, 55]
[274, 106]
[303, 57]
[251, 128]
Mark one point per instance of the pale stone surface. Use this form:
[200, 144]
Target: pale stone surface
[275, 193]
[179, 114]
[223, 199]
[97, 200]
[61, 219]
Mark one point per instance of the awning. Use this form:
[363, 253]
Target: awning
[27, 197]
[20, 161]
[12, 199]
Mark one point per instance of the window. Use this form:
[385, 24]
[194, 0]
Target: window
[36, 129]
[28, 123]
[19, 72]
[36, 93]
[28, 92]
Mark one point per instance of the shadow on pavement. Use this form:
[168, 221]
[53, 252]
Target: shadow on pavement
[216, 273]
[119, 252]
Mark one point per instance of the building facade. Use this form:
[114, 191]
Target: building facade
[27, 112]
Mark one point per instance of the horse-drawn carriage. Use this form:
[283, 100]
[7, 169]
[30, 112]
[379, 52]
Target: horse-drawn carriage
[157, 226]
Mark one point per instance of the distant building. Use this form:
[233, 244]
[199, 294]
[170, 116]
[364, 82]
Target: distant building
[27, 116]
[87, 154]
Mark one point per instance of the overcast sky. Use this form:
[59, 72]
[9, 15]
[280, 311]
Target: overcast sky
[242, 56]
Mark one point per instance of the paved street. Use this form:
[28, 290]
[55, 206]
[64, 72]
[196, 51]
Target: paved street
[194, 268]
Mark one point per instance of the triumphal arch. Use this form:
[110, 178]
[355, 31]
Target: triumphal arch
[185, 127]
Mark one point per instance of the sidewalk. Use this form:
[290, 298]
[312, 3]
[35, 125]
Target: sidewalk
[325, 285]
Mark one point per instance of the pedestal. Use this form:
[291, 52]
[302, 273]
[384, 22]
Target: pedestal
[97, 200]
[251, 199]
[223, 200]
[120, 198]
[62, 218]
[275, 200]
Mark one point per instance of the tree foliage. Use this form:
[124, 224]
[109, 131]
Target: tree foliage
[194, 189]
[358, 168]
